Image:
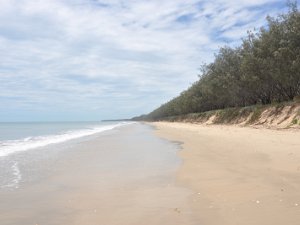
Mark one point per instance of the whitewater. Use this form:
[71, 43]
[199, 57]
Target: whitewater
[60, 134]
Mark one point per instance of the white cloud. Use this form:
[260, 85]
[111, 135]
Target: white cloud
[122, 55]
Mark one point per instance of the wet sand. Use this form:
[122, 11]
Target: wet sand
[241, 176]
[126, 176]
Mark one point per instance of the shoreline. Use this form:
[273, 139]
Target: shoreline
[125, 176]
[239, 175]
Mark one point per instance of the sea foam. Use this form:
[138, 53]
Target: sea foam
[11, 146]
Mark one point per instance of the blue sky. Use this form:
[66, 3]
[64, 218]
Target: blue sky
[99, 59]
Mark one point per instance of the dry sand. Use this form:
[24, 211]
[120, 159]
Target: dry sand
[239, 175]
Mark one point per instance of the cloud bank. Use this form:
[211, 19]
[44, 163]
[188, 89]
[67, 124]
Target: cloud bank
[99, 59]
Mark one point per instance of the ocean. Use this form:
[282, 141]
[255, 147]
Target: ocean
[19, 138]
[16, 137]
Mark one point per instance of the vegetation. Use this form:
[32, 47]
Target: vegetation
[264, 69]
[295, 121]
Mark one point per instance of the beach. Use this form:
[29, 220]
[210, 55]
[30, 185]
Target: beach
[238, 175]
[156, 174]
[122, 176]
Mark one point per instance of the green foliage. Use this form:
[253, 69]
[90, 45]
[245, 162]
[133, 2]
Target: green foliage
[227, 115]
[256, 115]
[265, 69]
[295, 121]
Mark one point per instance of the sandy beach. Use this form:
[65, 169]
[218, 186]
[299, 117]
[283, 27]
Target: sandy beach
[239, 175]
[126, 176]
[158, 174]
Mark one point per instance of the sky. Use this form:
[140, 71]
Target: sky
[88, 60]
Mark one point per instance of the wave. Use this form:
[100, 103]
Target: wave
[12, 146]
[17, 177]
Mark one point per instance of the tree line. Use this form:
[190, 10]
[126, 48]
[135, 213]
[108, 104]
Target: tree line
[264, 69]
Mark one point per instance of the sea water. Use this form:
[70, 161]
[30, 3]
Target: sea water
[16, 137]
[19, 139]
